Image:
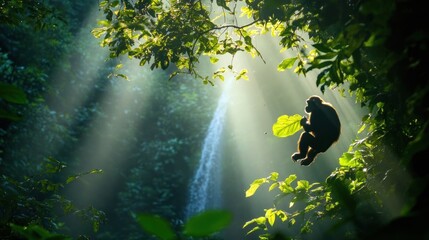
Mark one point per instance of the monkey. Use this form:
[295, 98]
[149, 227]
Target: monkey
[322, 129]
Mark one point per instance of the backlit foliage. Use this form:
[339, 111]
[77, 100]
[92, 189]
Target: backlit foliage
[370, 49]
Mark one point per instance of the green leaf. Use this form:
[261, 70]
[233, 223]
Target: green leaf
[156, 225]
[71, 179]
[254, 186]
[290, 179]
[303, 185]
[320, 65]
[222, 3]
[207, 223]
[12, 94]
[345, 159]
[254, 230]
[258, 221]
[286, 64]
[270, 214]
[321, 47]
[282, 215]
[9, 115]
[274, 176]
[287, 125]
[274, 185]
[214, 59]
[95, 171]
[242, 74]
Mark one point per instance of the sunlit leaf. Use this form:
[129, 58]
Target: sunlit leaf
[287, 125]
[71, 179]
[95, 171]
[282, 215]
[254, 186]
[207, 223]
[242, 75]
[309, 207]
[98, 32]
[302, 185]
[346, 158]
[248, 223]
[285, 188]
[274, 176]
[286, 64]
[362, 128]
[214, 59]
[271, 216]
[156, 226]
[273, 186]
[254, 229]
[290, 179]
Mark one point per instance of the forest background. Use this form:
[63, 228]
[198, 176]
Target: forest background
[373, 51]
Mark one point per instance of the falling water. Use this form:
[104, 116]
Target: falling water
[205, 188]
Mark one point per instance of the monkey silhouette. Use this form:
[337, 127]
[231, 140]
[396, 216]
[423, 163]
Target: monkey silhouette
[322, 128]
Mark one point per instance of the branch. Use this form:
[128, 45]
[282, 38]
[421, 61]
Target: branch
[224, 27]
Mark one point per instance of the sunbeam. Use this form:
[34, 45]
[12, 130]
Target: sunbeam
[251, 149]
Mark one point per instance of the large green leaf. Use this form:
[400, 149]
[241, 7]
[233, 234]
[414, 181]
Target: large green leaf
[287, 125]
[207, 223]
[12, 94]
[156, 225]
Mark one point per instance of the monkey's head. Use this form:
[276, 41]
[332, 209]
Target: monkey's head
[313, 102]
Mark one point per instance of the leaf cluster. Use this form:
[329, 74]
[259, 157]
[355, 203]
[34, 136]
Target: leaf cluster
[202, 225]
[338, 199]
[34, 201]
[179, 32]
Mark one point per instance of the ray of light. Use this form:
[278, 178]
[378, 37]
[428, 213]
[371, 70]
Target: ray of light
[252, 151]
[111, 139]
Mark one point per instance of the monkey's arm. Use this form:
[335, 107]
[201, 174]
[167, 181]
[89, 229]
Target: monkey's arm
[304, 123]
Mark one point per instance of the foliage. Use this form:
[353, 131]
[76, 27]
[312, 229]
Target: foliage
[371, 49]
[287, 125]
[165, 154]
[152, 32]
[35, 232]
[201, 225]
[34, 12]
[11, 94]
[51, 126]
[33, 36]
[341, 198]
[37, 200]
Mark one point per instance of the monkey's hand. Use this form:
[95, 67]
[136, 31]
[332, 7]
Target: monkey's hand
[305, 124]
[303, 121]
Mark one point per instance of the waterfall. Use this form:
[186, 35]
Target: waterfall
[205, 188]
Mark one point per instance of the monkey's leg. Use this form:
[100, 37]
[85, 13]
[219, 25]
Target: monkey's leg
[311, 155]
[303, 144]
